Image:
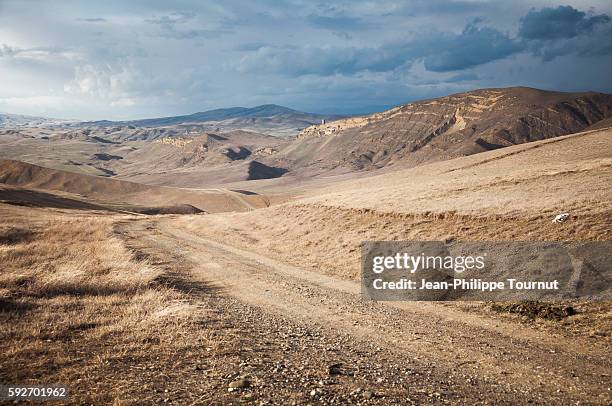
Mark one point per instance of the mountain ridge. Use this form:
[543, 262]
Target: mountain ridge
[9, 120]
[220, 114]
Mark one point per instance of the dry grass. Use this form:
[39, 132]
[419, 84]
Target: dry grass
[69, 257]
[511, 194]
[77, 308]
[327, 240]
[563, 174]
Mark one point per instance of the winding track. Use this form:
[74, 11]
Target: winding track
[511, 362]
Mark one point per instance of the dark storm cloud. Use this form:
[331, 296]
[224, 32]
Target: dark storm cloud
[554, 32]
[474, 46]
[441, 52]
[560, 22]
[477, 44]
[599, 44]
[297, 61]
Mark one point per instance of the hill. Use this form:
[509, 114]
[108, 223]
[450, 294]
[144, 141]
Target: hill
[200, 160]
[509, 194]
[103, 191]
[189, 155]
[447, 127]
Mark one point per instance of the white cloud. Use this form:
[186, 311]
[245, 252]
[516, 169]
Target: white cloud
[102, 81]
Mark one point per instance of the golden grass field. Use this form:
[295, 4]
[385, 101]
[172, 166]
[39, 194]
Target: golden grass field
[79, 308]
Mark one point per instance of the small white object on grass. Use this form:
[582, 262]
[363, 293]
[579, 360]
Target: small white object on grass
[561, 218]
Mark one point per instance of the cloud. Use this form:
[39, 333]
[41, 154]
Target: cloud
[105, 81]
[339, 25]
[183, 25]
[561, 22]
[463, 77]
[336, 23]
[91, 20]
[441, 52]
[297, 61]
[140, 59]
[40, 54]
[250, 46]
[474, 46]
[7, 51]
[554, 32]
[171, 19]
[594, 45]
[344, 35]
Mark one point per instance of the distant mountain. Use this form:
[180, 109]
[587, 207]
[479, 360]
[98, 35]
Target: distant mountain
[444, 128]
[269, 118]
[18, 120]
[267, 110]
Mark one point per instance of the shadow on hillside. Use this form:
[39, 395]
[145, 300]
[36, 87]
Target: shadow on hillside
[35, 198]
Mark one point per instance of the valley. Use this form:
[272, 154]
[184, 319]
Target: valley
[169, 261]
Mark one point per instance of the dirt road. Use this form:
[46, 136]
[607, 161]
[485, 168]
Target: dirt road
[389, 353]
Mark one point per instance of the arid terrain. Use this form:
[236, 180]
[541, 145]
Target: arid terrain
[163, 262]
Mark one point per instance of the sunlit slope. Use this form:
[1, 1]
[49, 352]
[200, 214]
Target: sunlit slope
[568, 173]
[504, 195]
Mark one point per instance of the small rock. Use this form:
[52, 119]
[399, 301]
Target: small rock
[561, 218]
[315, 392]
[368, 394]
[334, 369]
[240, 383]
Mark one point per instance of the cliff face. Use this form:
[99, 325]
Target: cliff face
[448, 127]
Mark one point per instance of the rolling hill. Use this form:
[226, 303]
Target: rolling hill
[180, 153]
[447, 127]
[509, 194]
[120, 194]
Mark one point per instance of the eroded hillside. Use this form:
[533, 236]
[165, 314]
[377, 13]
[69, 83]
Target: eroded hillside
[448, 127]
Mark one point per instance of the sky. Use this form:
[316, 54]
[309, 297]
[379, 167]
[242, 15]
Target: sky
[136, 59]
